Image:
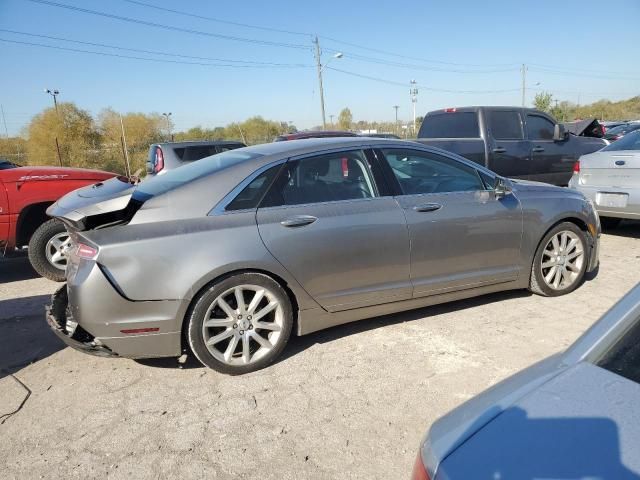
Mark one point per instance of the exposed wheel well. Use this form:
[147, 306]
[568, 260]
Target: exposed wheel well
[277, 278]
[31, 217]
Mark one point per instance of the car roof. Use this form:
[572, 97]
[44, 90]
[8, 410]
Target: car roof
[198, 143]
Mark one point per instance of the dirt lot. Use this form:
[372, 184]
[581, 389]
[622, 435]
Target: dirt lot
[350, 402]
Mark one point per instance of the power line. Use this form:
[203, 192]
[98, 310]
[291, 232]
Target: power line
[156, 52]
[557, 71]
[212, 19]
[161, 60]
[404, 84]
[171, 27]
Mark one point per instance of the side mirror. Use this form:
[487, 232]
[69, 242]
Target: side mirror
[501, 188]
[559, 133]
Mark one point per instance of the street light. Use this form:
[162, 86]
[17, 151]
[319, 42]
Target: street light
[54, 94]
[320, 69]
[167, 115]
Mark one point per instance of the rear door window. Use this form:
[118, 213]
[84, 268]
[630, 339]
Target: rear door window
[539, 128]
[505, 125]
[324, 178]
[450, 125]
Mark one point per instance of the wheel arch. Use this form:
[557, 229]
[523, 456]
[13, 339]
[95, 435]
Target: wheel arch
[277, 278]
[29, 219]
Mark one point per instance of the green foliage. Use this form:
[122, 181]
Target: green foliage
[542, 101]
[345, 119]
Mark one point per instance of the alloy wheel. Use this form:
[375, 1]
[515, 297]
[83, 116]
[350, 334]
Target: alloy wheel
[562, 260]
[243, 324]
[56, 250]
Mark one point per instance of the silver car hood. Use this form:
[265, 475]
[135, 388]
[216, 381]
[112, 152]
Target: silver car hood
[583, 423]
[452, 430]
[104, 197]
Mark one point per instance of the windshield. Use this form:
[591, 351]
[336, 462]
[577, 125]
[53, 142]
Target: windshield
[623, 357]
[628, 142]
[188, 173]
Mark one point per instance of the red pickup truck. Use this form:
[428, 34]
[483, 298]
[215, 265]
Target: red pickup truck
[25, 194]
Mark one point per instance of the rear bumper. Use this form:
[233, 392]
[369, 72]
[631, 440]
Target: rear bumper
[631, 211]
[109, 324]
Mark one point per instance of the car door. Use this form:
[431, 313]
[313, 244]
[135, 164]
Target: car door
[509, 151]
[551, 161]
[462, 235]
[325, 221]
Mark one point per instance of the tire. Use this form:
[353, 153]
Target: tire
[45, 256]
[568, 266]
[610, 223]
[237, 349]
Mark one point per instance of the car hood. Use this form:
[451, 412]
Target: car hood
[452, 430]
[582, 423]
[108, 197]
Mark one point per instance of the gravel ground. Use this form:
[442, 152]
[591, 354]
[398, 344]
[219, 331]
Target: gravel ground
[349, 402]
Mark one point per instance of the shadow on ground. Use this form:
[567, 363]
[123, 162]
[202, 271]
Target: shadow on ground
[628, 229]
[16, 268]
[24, 334]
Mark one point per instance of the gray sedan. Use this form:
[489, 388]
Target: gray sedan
[611, 178]
[573, 415]
[229, 255]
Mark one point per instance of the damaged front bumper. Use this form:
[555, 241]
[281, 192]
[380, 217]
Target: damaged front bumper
[67, 329]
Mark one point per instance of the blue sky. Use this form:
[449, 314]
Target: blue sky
[578, 50]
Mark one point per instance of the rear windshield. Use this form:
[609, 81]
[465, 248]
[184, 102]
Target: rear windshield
[174, 178]
[630, 141]
[450, 125]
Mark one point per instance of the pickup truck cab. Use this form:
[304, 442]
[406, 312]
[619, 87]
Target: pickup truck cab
[25, 195]
[514, 142]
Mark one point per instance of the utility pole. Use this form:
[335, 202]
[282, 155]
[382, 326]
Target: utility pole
[124, 148]
[319, 66]
[54, 94]
[413, 92]
[396, 126]
[169, 134]
[4, 120]
[331, 118]
[524, 82]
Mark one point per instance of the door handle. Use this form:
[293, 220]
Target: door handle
[537, 149]
[499, 150]
[427, 207]
[298, 221]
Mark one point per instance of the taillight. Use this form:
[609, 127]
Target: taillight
[450, 110]
[345, 167]
[159, 163]
[419, 472]
[86, 252]
[576, 167]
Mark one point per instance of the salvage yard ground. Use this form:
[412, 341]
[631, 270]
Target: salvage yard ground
[349, 402]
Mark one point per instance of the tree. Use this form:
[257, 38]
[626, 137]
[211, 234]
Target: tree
[345, 118]
[542, 101]
[75, 129]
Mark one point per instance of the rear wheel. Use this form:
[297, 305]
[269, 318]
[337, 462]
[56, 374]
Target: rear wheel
[47, 250]
[240, 324]
[560, 261]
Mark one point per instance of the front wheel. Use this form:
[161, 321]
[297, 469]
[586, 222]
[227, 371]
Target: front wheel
[47, 250]
[560, 261]
[240, 324]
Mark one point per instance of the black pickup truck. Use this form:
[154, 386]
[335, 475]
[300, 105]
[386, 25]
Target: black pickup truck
[512, 141]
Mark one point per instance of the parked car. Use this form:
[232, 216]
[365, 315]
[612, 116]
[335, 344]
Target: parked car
[573, 415]
[238, 250]
[379, 135]
[608, 125]
[513, 142]
[25, 195]
[611, 179]
[313, 134]
[6, 164]
[164, 157]
[620, 131]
